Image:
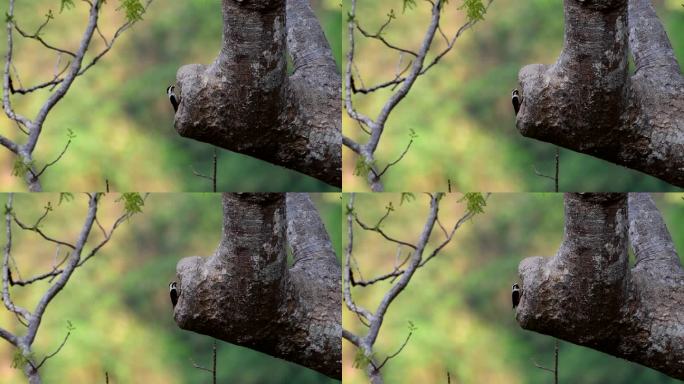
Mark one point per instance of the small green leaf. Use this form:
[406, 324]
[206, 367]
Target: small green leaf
[68, 4]
[389, 207]
[133, 8]
[362, 167]
[475, 9]
[407, 197]
[65, 196]
[475, 202]
[133, 202]
[360, 360]
[410, 4]
[19, 360]
[21, 168]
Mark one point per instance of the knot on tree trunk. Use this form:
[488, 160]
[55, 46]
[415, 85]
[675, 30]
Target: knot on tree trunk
[247, 295]
[587, 294]
[588, 101]
[245, 102]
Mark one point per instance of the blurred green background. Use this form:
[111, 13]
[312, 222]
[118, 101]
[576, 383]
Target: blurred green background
[119, 110]
[460, 302]
[118, 301]
[461, 110]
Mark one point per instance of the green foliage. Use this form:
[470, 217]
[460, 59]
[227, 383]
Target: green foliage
[348, 210]
[407, 197]
[410, 4]
[145, 141]
[475, 202]
[66, 197]
[362, 168]
[133, 202]
[361, 361]
[133, 8]
[412, 327]
[135, 269]
[19, 360]
[475, 9]
[70, 327]
[21, 167]
[68, 4]
[471, 280]
[48, 207]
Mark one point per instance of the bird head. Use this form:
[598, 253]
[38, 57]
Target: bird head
[172, 286]
[171, 89]
[516, 286]
[515, 92]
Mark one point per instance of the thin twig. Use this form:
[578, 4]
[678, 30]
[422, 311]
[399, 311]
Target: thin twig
[402, 82]
[55, 352]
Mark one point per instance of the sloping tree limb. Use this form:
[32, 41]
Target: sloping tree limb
[588, 295]
[418, 257]
[588, 101]
[32, 319]
[25, 164]
[246, 294]
[418, 67]
[245, 101]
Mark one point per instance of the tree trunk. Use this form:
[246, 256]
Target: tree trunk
[245, 293]
[588, 295]
[588, 102]
[245, 102]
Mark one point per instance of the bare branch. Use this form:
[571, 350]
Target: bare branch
[72, 263]
[6, 299]
[37, 37]
[352, 338]
[55, 160]
[382, 233]
[40, 232]
[417, 67]
[346, 271]
[9, 337]
[395, 354]
[55, 352]
[403, 272]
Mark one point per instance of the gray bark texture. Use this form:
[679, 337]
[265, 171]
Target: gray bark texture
[588, 102]
[245, 101]
[587, 294]
[247, 295]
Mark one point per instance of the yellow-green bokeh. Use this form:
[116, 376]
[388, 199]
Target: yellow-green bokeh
[461, 110]
[119, 110]
[118, 301]
[460, 301]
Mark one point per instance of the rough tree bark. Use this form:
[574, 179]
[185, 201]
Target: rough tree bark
[246, 294]
[588, 102]
[245, 102]
[588, 295]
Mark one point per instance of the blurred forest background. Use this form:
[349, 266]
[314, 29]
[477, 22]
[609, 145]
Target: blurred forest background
[460, 302]
[118, 302]
[119, 110]
[461, 110]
